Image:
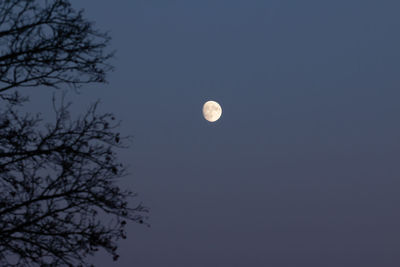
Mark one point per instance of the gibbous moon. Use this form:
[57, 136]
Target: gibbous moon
[212, 111]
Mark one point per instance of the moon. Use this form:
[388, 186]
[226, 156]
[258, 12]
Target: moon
[212, 111]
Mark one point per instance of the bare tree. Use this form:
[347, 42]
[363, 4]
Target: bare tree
[59, 196]
[46, 42]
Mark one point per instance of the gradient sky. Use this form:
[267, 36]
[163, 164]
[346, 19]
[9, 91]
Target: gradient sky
[303, 167]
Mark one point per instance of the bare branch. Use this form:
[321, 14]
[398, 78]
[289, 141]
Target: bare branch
[60, 200]
[57, 183]
[48, 43]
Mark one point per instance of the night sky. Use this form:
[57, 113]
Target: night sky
[303, 167]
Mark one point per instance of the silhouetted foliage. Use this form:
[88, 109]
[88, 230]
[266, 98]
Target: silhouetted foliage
[59, 197]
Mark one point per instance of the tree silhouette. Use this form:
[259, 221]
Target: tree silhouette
[59, 199]
[48, 43]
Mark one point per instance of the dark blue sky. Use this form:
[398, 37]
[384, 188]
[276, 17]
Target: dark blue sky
[303, 167]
